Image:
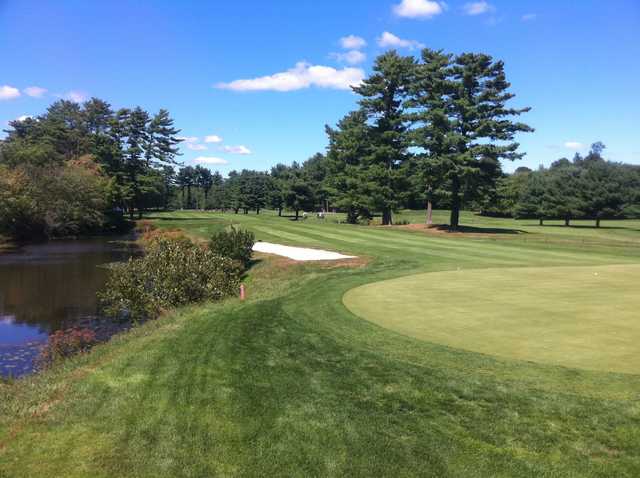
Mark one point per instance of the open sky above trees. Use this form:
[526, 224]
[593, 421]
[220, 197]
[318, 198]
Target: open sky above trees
[572, 62]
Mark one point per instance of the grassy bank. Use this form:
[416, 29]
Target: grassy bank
[290, 383]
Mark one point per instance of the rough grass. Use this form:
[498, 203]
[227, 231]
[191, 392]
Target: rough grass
[290, 383]
[584, 317]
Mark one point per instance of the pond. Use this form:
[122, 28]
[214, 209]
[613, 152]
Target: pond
[47, 287]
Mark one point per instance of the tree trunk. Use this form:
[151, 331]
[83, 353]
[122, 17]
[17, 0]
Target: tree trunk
[455, 203]
[246, 210]
[279, 212]
[352, 216]
[188, 197]
[297, 211]
[429, 214]
[206, 195]
[541, 220]
[258, 210]
[597, 222]
[386, 216]
[236, 209]
[567, 220]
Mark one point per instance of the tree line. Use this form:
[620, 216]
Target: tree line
[78, 168]
[587, 187]
[295, 187]
[427, 131]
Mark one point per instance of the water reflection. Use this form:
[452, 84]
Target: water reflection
[50, 286]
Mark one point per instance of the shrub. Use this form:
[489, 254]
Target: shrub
[174, 272]
[234, 243]
[65, 343]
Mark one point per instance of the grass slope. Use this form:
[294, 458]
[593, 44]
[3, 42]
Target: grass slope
[584, 317]
[290, 383]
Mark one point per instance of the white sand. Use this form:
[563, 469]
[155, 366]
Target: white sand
[298, 253]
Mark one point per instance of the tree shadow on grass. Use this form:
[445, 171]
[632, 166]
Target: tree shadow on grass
[590, 226]
[173, 218]
[445, 228]
[253, 263]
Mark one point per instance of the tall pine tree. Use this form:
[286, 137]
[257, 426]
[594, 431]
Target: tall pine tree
[347, 153]
[464, 125]
[383, 95]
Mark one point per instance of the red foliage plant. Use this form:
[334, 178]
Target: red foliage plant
[65, 343]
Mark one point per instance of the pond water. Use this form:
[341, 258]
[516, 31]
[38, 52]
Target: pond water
[47, 287]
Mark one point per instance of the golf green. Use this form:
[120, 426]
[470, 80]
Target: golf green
[582, 317]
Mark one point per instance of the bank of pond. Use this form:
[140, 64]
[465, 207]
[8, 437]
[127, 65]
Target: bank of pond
[52, 286]
[60, 298]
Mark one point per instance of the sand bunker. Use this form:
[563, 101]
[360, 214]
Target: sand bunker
[298, 253]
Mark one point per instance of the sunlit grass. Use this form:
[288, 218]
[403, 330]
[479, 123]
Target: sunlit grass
[290, 383]
[583, 317]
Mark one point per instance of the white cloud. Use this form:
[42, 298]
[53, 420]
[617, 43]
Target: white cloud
[74, 95]
[352, 42]
[418, 8]
[240, 149]
[353, 57]
[528, 17]
[8, 92]
[191, 142]
[303, 75]
[35, 91]
[389, 40]
[477, 8]
[23, 117]
[573, 145]
[213, 138]
[210, 160]
[188, 139]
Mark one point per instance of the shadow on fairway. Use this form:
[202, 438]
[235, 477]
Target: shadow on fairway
[175, 218]
[588, 226]
[476, 230]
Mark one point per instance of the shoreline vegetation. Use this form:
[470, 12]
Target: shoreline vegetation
[171, 270]
[292, 372]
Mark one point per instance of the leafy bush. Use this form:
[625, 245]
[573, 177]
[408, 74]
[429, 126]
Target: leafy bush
[174, 272]
[53, 201]
[65, 343]
[234, 243]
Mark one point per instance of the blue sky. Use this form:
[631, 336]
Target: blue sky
[575, 62]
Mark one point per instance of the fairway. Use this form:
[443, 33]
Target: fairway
[584, 317]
